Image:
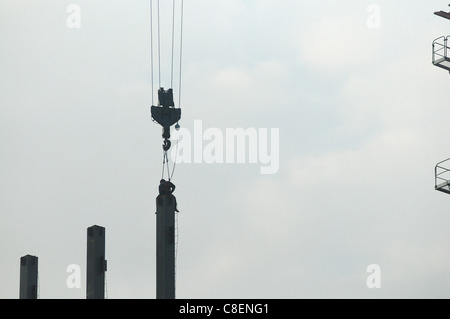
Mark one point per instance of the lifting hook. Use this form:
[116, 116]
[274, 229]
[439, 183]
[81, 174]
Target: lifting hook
[166, 114]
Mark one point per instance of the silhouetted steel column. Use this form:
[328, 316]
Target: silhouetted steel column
[28, 277]
[96, 263]
[165, 247]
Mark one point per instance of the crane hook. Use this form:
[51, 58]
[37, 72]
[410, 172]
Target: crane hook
[166, 145]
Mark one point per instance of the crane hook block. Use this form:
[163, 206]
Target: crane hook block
[166, 114]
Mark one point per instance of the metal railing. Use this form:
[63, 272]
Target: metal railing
[440, 49]
[442, 176]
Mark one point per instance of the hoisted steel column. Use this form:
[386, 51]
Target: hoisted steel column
[165, 246]
[28, 277]
[96, 263]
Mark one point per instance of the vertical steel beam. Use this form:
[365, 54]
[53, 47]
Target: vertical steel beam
[28, 277]
[96, 263]
[165, 246]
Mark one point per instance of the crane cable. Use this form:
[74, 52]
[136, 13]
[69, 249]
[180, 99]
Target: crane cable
[158, 49]
[166, 163]
[156, 45]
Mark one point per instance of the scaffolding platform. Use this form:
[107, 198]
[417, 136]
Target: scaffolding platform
[442, 176]
[440, 53]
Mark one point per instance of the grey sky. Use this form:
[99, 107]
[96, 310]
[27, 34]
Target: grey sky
[362, 115]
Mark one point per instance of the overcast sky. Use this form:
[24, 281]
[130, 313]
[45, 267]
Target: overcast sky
[362, 115]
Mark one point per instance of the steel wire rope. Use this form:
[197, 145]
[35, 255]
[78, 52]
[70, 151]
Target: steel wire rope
[175, 161]
[179, 79]
[173, 42]
[159, 46]
[158, 49]
[151, 49]
[181, 52]
[165, 162]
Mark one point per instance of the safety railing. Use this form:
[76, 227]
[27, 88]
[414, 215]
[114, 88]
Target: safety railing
[442, 176]
[440, 52]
